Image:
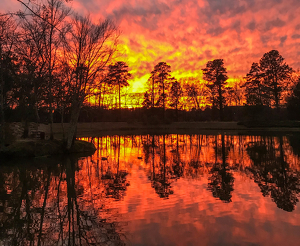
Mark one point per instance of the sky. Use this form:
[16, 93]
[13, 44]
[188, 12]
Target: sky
[188, 33]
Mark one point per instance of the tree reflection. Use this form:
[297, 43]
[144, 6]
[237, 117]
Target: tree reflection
[195, 166]
[161, 173]
[20, 214]
[295, 143]
[221, 180]
[167, 158]
[116, 183]
[273, 174]
[45, 206]
[66, 201]
[161, 176]
[177, 164]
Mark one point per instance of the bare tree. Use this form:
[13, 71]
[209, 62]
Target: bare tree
[7, 37]
[44, 29]
[235, 93]
[194, 93]
[88, 49]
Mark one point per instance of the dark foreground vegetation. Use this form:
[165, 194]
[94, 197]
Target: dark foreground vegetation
[44, 148]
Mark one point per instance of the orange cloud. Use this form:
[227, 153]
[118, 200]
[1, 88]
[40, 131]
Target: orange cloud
[188, 33]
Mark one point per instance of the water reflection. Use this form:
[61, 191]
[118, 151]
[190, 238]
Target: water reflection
[125, 193]
[47, 205]
[273, 174]
[221, 179]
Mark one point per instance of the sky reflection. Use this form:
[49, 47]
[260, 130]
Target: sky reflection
[157, 190]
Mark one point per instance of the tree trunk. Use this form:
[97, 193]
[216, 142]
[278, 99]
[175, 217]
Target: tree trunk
[73, 124]
[50, 74]
[163, 84]
[152, 93]
[221, 103]
[197, 103]
[276, 97]
[36, 104]
[62, 120]
[119, 96]
[2, 84]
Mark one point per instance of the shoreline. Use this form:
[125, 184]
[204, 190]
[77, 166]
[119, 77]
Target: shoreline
[44, 148]
[124, 128]
[36, 147]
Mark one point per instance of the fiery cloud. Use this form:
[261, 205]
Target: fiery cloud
[188, 33]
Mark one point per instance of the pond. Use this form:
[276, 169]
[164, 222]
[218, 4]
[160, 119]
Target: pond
[157, 190]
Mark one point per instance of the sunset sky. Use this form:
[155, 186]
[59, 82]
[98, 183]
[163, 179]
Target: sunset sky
[188, 33]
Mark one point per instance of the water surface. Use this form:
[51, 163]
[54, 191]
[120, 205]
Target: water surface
[157, 190]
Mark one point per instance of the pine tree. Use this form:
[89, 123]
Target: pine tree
[215, 75]
[276, 74]
[118, 76]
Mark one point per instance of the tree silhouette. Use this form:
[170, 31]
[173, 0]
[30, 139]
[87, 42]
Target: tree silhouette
[7, 37]
[152, 90]
[293, 102]
[256, 91]
[235, 93]
[118, 75]
[192, 92]
[147, 102]
[65, 56]
[44, 31]
[88, 49]
[215, 75]
[175, 95]
[275, 73]
[162, 75]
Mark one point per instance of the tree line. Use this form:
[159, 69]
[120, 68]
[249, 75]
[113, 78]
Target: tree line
[269, 83]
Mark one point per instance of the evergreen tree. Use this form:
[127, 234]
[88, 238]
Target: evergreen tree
[118, 76]
[215, 75]
[293, 102]
[256, 91]
[162, 71]
[159, 85]
[276, 74]
[175, 95]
